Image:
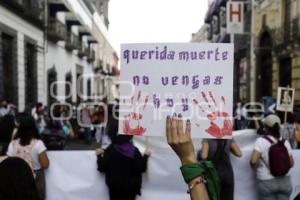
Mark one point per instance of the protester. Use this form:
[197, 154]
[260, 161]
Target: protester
[39, 116]
[16, 180]
[100, 135]
[239, 120]
[4, 108]
[66, 124]
[202, 186]
[37, 110]
[271, 161]
[28, 146]
[86, 121]
[288, 130]
[123, 165]
[218, 151]
[297, 133]
[7, 126]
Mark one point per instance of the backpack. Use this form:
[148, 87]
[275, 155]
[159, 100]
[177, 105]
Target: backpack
[279, 159]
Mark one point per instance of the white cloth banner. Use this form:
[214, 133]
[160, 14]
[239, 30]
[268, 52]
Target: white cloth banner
[73, 175]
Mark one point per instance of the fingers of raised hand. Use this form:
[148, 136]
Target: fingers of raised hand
[99, 151]
[174, 129]
[180, 131]
[168, 129]
[188, 129]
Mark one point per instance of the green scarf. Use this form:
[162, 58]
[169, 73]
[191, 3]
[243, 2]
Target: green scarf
[206, 170]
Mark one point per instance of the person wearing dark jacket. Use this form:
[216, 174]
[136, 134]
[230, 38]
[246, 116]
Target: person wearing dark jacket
[123, 166]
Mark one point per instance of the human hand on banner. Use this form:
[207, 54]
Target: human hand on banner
[135, 117]
[147, 151]
[99, 151]
[180, 139]
[217, 131]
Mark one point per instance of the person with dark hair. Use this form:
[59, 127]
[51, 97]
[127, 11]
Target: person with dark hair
[28, 146]
[7, 126]
[86, 121]
[218, 151]
[4, 108]
[122, 164]
[272, 159]
[16, 180]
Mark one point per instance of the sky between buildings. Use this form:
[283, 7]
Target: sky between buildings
[139, 21]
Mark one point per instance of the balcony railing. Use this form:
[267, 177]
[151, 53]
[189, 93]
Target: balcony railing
[83, 50]
[56, 30]
[30, 10]
[91, 55]
[72, 41]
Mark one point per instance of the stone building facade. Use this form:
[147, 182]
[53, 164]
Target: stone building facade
[276, 47]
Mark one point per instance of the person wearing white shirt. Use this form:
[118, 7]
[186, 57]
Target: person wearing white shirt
[28, 146]
[269, 186]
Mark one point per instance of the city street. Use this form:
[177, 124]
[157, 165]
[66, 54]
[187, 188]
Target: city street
[140, 99]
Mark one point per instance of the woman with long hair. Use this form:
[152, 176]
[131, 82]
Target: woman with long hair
[28, 146]
[272, 186]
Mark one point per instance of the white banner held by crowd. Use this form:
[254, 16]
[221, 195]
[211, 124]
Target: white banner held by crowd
[193, 79]
[74, 176]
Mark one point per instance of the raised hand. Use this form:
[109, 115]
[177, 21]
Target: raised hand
[180, 139]
[99, 151]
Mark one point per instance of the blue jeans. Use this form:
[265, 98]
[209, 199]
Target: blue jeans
[279, 188]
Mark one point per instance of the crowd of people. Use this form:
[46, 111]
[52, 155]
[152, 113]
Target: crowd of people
[251, 117]
[209, 174]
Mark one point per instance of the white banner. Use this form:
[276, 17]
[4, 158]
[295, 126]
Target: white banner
[73, 175]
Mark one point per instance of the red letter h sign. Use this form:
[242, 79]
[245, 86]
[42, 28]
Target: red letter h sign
[237, 12]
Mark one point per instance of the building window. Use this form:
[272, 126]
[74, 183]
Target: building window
[285, 72]
[223, 17]
[215, 25]
[209, 32]
[8, 70]
[30, 75]
[51, 80]
[68, 87]
[89, 88]
[79, 87]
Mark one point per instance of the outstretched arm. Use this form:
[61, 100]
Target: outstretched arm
[235, 149]
[182, 145]
[204, 150]
[254, 158]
